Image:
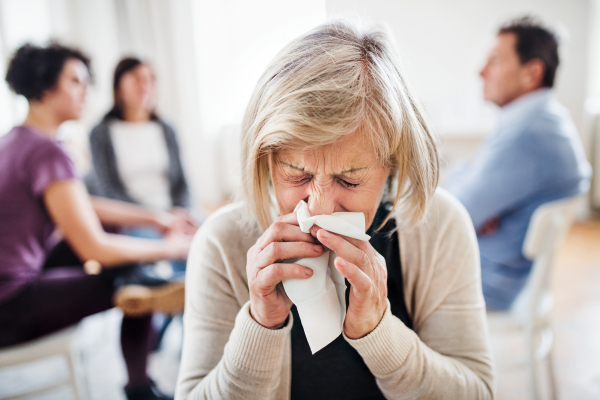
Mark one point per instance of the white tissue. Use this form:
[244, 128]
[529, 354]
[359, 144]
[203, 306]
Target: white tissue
[321, 299]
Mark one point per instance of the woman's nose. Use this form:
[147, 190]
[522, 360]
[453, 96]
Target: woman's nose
[320, 204]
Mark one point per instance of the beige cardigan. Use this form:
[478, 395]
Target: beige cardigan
[227, 355]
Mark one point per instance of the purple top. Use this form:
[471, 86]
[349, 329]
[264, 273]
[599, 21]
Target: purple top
[29, 163]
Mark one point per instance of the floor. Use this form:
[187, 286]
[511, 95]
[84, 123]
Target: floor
[576, 323]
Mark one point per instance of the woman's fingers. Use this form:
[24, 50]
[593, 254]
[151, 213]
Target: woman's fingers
[344, 248]
[270, 276]
[361, 244]
[361, 283]
[279, 251]
[288, 219]
[282, 231]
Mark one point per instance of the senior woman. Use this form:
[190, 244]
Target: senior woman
[332, 122]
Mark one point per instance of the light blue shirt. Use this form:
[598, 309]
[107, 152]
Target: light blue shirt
[534, 156]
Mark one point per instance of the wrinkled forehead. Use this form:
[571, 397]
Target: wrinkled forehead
[354, 151]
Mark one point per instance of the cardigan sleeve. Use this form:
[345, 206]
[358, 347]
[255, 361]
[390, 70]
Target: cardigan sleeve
[104, 180]
[180, 193]
[226, 354]
[448, 355]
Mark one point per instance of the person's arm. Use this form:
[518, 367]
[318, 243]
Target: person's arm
[71, 210]
[227, 354]
[120, 213]
[505, 174]
[448, 355]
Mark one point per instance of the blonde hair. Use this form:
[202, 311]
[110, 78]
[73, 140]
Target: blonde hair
[331, 82]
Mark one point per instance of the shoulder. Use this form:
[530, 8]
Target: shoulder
[166, 126]
[550, 119]
[218, 254]
[100, 131]
[229, 231]
[43, 161]
[446, 231]
[444, 214]
[42, 150]
[226, 220]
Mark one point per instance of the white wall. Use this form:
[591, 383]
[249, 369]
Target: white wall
[235, 41]
[443, 44]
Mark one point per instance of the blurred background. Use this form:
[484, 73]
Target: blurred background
[208, 55]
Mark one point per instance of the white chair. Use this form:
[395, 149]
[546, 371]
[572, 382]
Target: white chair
[58, 344]
[530, 314]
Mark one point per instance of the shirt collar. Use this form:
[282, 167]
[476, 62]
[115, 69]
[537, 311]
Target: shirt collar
[523, 105]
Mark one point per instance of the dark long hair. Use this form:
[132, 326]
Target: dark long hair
[125, 65]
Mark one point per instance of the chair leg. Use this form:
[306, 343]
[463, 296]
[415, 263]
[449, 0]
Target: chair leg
[72, 376]
[533, 365]
[77, 378]
[552, 376]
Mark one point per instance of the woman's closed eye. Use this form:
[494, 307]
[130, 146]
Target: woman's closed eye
[306, 178]
[347, 183]
[299, 179]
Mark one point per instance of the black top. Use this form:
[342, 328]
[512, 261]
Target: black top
[337, 371]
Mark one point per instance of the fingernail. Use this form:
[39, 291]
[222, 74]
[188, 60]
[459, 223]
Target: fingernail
[318, 248]
[308, 271]
[324, 233]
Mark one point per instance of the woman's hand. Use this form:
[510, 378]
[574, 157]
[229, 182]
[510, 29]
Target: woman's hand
[269, 304]
[176, 221]
[164, 221]
[366, 272]
[177, 245]
[185, 223]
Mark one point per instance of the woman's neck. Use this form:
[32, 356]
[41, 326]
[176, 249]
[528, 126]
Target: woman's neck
[136, 114]
[43, 120]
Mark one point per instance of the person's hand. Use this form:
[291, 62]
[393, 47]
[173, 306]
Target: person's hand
[164, 221]
[269, 304]
[366, 271]
[178, 220]
[177, 245]
[185, 221]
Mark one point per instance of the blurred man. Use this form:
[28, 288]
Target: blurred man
[533, 157]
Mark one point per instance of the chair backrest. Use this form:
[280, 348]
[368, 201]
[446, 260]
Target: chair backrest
[550, 223]
[547, 230]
